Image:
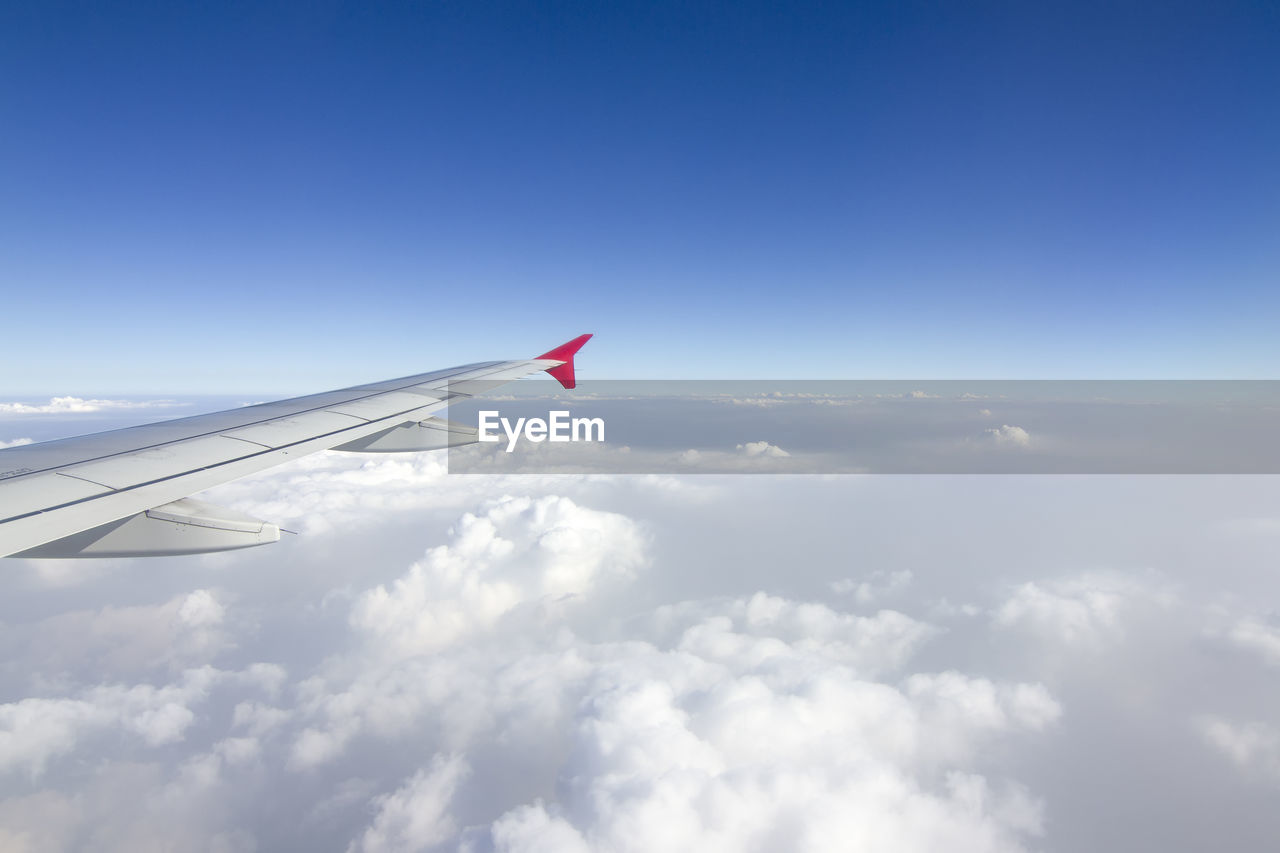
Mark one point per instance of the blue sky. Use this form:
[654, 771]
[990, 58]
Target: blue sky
[256, 197]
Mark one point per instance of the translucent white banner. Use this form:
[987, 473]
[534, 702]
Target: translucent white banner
[834, 427]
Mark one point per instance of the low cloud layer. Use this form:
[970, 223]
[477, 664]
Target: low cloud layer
[1012, 436]
[637, 663]
[79, 405]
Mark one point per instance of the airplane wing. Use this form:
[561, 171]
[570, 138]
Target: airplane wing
[124, 493]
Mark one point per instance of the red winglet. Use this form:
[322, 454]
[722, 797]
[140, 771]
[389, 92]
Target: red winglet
[565, 352]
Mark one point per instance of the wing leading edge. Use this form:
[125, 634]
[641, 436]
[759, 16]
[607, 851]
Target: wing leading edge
[125, 492]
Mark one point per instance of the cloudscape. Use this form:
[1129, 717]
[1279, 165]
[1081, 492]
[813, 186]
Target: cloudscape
[919, 489]
[642, 662]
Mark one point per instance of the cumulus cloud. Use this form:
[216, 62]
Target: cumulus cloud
[415, 816]
[680, 751]
[690, 457]
[258, 718]
[188, 629]
[534, 829]
[876, 586]
[762, 449]
[729, 724]
[1009, 436]
[516, 551]
[521, 559]
[1257, 637]
[336, 491]
[331, 492]
[1249, 745]
[776, 633]
[187, 808]
[1081, 610]
[17, 442]
[79, 405]
[605, 663]
[715, 723]
[34, 731]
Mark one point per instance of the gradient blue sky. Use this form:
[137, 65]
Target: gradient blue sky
[256, 197]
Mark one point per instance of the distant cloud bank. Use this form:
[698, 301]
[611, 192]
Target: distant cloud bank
[76, 405]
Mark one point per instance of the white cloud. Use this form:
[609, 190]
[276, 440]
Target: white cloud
[717, 723]
[766, 632]
[734, 721]
[38, 823]
[257, 718]
[79, 405]
[673, 750]
[184, 631]
[238, 750]
[336, 491]
[201, 610]
[1084, 610]
[17, 442]
[521, 559]
[127, 806]
[876, 586]
[515, 551]
[534, 829]
[415, 816]
[1251, 746]
[1010, 436]
[1260, 638]
[952, 701]
[630, 664]
[35, 730]
[762, 449]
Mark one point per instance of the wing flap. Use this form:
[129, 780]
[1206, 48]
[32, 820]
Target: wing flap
[383, 405]
[290, 430]
[186, 526]
[414, 436]
[37, 492]
[156, 463]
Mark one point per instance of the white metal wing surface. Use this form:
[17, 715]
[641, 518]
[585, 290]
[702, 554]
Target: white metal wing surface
[125, 492]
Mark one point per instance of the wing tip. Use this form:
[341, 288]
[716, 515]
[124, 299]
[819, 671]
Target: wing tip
[563, 373]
